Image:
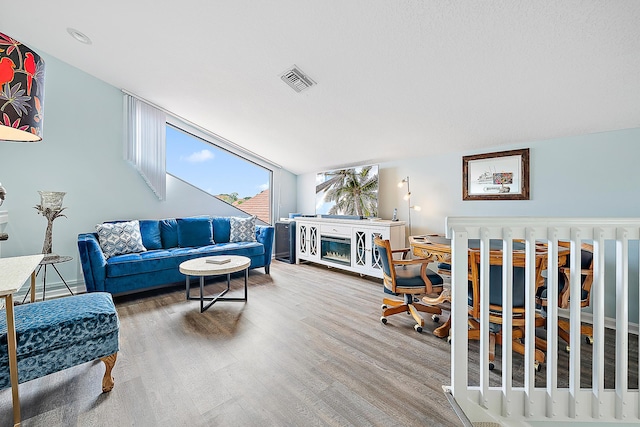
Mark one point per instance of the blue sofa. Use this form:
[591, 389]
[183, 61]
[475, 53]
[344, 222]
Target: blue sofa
[168, 242]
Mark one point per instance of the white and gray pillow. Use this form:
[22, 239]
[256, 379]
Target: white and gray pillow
[119, 238]
[243, 229]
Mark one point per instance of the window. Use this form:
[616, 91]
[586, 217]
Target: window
[219, 172]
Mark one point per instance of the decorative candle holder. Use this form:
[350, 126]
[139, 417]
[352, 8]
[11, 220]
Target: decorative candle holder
[51, 208]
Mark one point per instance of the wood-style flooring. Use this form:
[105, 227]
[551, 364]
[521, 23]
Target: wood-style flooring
[307, 349]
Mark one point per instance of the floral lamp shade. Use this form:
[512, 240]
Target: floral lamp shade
[21, 92]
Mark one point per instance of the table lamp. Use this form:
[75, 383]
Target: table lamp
[21, 95]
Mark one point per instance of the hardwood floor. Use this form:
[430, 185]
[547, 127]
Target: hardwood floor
[307, 349]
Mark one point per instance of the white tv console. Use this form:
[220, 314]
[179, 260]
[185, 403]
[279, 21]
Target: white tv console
[346, 243]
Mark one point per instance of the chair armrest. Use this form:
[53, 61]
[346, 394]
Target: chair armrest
[564, 294]
[264, 235]
[393, 251]
[93, 262]
[411, 261]
[403, 251]
[584, 272]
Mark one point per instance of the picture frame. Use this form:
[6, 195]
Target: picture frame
[502, 175]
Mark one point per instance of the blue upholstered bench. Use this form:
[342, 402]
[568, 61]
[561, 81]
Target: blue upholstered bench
[60, 333]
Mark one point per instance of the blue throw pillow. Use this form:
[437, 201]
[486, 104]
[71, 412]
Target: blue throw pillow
[150, 230]
[194, 232]
[169, 233]
[221, 229]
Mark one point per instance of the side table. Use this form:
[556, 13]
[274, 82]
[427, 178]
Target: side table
[14, 273]
[52, 260]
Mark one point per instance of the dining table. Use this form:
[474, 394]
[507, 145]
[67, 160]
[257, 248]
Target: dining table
[437, 248]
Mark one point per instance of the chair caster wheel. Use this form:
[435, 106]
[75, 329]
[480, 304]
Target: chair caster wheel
[588, 340]
[418, 328]
[491, 366]
[383, 320]
[384, 306]
[537, 366]
[435, 318]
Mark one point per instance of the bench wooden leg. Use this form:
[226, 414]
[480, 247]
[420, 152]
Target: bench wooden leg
[107, 380]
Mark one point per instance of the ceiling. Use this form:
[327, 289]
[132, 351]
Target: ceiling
[395, 78]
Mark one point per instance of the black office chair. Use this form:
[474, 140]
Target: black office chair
[407, 278]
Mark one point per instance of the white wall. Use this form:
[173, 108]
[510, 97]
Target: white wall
[589, 176]
[82, 154]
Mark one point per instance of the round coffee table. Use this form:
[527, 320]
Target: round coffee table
[215, 266]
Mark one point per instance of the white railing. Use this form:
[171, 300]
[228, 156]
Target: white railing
[492, 396]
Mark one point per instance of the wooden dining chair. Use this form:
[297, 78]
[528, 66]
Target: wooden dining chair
[564, 280]
[407, 278]
[495, 304]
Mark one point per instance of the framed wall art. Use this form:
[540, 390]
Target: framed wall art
[502, 175]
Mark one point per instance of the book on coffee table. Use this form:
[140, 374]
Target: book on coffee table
[218, 260]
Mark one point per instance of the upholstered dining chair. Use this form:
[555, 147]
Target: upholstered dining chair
[495, 304]
[564, 280]
[408, 278]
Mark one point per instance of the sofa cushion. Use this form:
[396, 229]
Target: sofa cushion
[164, 259]
[144, 262]
[242, 229]
[248, 249]
[120, 238]
[195, 231]
[169, 233]
[151, 237]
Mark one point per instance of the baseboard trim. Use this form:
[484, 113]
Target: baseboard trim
[609, 322]
[54, 290]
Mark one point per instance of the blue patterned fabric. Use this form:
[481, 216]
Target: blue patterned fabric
[120, 238]
[57, 334]
[196, 231]
[242, 229]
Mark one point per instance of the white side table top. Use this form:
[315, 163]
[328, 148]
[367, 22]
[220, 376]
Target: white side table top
[15, 271]
[200, 266]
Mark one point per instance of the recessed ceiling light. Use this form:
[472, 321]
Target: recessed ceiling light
[78, 36]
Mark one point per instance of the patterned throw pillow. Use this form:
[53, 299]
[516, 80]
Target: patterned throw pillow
[243, 229]
[120, 238]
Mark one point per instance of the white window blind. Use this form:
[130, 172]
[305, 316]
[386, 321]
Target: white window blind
[145, 143]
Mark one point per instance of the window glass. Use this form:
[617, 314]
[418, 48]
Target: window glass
[225, 175]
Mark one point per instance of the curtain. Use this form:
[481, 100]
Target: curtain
[145, 147]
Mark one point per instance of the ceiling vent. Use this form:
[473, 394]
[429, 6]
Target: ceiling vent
[295, 78]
